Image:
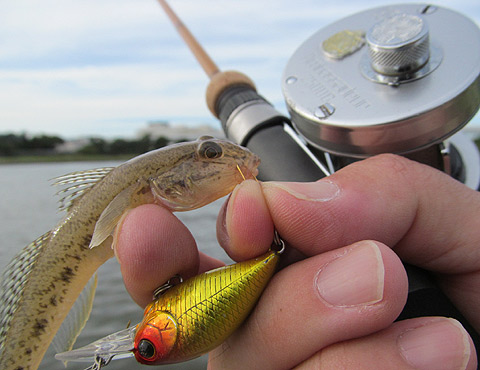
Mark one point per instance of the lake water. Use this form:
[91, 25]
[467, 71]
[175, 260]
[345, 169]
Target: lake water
[28, 208]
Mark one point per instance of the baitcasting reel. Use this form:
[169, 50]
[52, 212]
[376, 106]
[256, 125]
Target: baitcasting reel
[399, 79]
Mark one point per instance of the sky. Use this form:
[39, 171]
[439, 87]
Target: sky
[78, 68]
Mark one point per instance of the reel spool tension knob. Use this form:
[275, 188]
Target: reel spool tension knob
[399, 50]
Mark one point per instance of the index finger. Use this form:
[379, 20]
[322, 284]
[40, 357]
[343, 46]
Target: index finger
[152, 246]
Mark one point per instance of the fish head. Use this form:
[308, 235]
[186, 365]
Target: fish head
[209, 169]
[155, 338]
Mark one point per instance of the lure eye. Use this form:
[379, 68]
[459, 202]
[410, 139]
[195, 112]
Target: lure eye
[146, 349]
[155, 338]
[210, 150]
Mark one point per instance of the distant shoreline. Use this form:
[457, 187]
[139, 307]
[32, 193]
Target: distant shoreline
[63, 158]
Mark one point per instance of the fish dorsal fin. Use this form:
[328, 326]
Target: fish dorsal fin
[76, 184]
[76, 319]
[112, 214]
[13, 282]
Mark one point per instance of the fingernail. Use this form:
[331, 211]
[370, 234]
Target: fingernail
[249, 189]
[246, 192]
[440, 344]
[322, 190]
[355, 278]
[222, 234]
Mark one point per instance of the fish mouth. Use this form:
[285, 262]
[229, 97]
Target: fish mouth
[249, 168]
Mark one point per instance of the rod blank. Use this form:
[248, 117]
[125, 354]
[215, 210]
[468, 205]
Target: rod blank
[200, 54]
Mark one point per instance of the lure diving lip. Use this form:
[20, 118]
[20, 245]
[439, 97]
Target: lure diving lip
[118, 345]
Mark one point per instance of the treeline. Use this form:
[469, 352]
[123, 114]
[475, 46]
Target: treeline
[123, 146]
[11, 144]
[22, 144]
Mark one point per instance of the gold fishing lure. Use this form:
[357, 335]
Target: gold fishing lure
[189, 319]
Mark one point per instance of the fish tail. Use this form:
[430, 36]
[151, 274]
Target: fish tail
[13, 283]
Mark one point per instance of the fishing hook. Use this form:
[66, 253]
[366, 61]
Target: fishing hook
[99, 363]
[278, 245]
[175, 280]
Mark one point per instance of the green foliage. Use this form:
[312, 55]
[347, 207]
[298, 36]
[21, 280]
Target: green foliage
[14, 145]
[160, 142]
[124, 146]
[43, 142]
[95, 146]
[11, 144]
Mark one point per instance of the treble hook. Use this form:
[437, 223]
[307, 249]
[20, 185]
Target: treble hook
[175, 280]
[278, 244]
[99, 362]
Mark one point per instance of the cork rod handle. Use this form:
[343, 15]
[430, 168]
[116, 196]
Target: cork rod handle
[219, 81]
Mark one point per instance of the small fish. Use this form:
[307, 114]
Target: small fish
[44, 280]
[189, 319]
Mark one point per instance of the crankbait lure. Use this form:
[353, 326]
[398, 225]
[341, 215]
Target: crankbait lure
[188, 319]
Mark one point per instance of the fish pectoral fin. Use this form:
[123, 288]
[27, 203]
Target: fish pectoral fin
[76, 319]
[128, 198]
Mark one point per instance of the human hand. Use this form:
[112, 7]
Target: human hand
[335, 308]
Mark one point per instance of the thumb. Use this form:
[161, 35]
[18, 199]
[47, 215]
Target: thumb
[428, 218]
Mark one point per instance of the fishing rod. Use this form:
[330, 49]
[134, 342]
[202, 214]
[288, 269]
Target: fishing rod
[378, 81]
[250, 120]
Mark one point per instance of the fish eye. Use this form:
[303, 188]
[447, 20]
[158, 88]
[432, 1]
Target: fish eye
[146, 349]
[210, 150]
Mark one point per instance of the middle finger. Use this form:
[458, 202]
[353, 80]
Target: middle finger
[328, 298]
